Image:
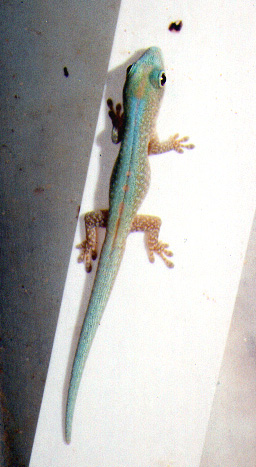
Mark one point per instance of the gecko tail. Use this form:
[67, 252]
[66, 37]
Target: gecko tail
[76, 375]
[102, 286]
[90, 326]
[68, 429]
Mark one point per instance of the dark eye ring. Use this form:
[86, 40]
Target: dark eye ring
[162, 79]
[128, 69]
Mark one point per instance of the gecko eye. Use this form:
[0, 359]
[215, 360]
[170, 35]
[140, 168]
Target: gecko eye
[162, 79]
[157, 78]
[128, 69]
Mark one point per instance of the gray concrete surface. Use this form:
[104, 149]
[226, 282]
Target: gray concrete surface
[47, 128]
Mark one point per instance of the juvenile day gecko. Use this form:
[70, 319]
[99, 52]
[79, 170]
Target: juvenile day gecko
[129, 183]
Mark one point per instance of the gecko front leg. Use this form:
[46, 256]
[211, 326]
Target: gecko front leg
[173, 143]
[155, 145]
[117, 118]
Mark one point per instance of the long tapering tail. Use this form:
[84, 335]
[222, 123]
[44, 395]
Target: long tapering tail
[106, 273]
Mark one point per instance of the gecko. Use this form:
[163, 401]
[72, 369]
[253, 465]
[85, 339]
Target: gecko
[129, 183]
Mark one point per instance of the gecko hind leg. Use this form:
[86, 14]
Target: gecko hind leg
[93, 220]
[151, 226]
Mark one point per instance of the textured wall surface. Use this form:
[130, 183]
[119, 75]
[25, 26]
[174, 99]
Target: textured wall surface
[53, 65]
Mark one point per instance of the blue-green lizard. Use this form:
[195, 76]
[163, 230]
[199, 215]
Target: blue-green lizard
[143, 91]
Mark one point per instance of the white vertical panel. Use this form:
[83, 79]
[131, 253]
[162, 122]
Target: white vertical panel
[148, 385]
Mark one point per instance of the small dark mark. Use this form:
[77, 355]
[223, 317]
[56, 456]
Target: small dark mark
[16, 96]
[39, 33]
[65, 71]
[38, 190]
[12, 130]
[77, 211]
[175, 26]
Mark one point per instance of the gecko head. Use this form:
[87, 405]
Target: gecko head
[146, 77]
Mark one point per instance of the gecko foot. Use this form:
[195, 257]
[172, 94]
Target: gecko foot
[160, 249]
[178, 143]
[117, 119]
[87, 254]
[172, 143]
[151, 226]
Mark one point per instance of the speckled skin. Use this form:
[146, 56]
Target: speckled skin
[143, 91]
